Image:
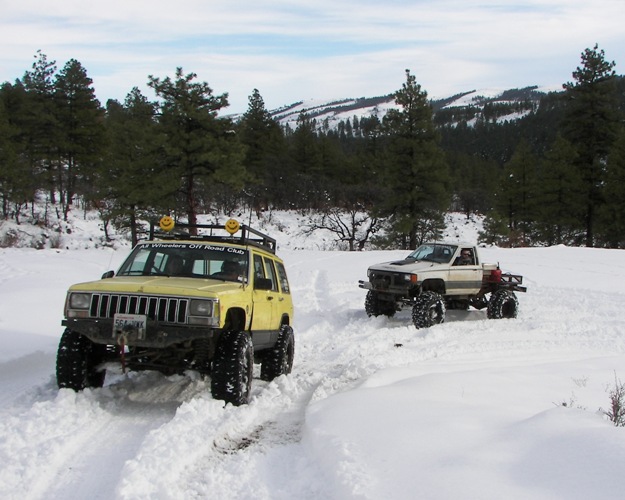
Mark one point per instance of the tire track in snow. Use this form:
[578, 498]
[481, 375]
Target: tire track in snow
[239, 443]
[75, 444]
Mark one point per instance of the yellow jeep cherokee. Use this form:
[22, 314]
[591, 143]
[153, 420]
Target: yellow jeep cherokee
[214, 303]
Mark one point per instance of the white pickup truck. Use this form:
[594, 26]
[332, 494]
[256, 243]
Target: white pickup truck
[440, 276]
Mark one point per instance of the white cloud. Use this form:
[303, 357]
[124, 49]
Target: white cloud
[296, 50]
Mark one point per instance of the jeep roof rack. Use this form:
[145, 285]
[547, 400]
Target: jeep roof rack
[248, 236]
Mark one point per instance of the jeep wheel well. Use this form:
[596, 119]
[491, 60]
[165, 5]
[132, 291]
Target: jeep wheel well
[235, 319]
[433, 285]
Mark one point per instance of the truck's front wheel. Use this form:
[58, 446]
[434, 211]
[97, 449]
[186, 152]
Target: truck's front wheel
[502, 304]
[233, 364]
[374, 306]
[77, 362]
[428, 310]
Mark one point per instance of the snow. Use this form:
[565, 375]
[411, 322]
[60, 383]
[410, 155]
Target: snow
[472, 408]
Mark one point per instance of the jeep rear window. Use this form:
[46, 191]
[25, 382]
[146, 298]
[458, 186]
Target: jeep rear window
[284, 282]
[187, 260]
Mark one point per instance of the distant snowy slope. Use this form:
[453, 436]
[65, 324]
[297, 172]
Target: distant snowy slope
[331, 112]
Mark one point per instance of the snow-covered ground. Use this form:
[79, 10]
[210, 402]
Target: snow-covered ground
[470, 409]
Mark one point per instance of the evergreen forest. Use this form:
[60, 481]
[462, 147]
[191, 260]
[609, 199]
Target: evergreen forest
[555, 174]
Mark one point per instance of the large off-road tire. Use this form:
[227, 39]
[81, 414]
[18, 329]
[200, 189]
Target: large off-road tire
[279, 360]
[502, 304]
[77, 362]
[376, 307]
[233, 364]
[429, 309]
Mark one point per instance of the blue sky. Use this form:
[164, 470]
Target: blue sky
[295, 50]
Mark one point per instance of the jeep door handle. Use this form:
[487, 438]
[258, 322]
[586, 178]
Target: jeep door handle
[269, 297]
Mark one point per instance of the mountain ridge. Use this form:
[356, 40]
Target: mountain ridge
[329, 113]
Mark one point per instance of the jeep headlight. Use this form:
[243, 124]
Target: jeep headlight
[204, 312]
[78, 304]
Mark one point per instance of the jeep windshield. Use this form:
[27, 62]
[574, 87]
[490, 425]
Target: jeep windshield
[190, 260]
[433, 252]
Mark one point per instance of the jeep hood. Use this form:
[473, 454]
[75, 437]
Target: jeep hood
[404, 266]
[158, 285]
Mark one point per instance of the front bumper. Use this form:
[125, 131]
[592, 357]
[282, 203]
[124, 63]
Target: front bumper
[401, 290]
[156, 334]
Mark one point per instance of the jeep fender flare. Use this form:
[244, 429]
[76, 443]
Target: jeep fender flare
[285, 320]
[434, 285]
[235, 319]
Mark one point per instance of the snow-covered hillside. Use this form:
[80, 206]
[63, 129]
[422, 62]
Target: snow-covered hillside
[331, 112]
[472, 408]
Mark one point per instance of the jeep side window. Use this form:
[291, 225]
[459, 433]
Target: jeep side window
[284, 282]
[259, 271]
[271, 274]
[261, 280]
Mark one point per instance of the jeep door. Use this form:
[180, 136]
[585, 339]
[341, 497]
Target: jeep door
[266, 297]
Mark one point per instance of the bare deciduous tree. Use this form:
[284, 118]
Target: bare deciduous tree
[352, 226]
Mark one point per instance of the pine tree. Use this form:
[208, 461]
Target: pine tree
[415, 170]
[559, 195]
[80, 118]
[201, 148]
[38, 122]
[133, 178]
[305, 171]
[516, 195]
[589, 125]
[475, 180]
[14, 178]
[264, 142]
[612, 213]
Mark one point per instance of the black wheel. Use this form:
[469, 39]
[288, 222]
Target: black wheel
[77, 362]
[429, 309]
[376, 307]
[231, 376]
[502, 304]
[279, 360]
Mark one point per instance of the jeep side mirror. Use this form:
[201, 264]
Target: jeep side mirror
[263, 284]
[108, 274]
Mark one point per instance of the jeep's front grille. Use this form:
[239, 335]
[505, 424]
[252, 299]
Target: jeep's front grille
[165, 309]
[382, 280]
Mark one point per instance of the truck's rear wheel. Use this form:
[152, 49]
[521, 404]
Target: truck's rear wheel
[233, 364]
[429, 310]
[374, 306]
[502, 304]
[279, 360]
[77, 362]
